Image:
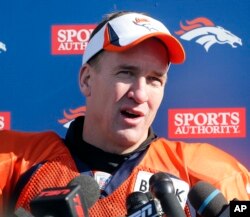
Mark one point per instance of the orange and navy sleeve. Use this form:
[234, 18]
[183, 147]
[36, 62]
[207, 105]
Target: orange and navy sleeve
[208, 163]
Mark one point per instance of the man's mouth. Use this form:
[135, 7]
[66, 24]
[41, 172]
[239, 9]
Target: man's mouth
[130, 114]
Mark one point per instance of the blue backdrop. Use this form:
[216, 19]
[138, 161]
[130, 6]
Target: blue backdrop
[40, 46]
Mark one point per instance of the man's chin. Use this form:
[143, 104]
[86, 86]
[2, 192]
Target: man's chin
[131, 138]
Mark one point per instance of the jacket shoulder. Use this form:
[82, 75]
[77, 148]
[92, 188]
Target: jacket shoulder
[31, 143]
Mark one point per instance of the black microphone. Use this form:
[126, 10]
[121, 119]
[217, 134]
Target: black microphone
[161, 186]
[89, 188]
[142, 204]
[70, 201]
[208, 201]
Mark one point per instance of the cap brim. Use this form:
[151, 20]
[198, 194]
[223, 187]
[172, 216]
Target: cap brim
[174, 47]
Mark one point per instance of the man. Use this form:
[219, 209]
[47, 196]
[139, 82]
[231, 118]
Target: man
[123, 76]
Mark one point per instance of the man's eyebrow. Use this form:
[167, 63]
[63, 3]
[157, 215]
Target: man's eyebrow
[127, 67]
[160, 73]
[136, 68]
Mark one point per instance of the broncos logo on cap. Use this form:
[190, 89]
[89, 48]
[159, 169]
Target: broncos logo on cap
[144, 23]
[2, 47]
[205, 33]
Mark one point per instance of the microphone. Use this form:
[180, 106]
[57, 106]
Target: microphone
[89, 187]
[70, 201]
[161, 186]
[208, 201]
[142, 204]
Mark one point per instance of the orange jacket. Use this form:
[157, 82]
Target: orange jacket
[189, 162]
[19, 152]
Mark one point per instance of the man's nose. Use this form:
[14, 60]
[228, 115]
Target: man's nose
[139, 91]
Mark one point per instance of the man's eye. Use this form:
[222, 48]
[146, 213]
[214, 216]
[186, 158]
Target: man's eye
[124, 74]
[155, 80]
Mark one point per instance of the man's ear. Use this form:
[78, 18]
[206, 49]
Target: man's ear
[84, 80]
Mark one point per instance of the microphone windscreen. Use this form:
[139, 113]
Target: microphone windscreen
[89, 188]
[135, 200]
[162, 187]
[206, 199]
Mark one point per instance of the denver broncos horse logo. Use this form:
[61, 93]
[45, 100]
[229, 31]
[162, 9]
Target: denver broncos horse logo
[144, 23]
[205, 33]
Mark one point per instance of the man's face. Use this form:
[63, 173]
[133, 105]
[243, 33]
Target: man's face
[124, 93]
